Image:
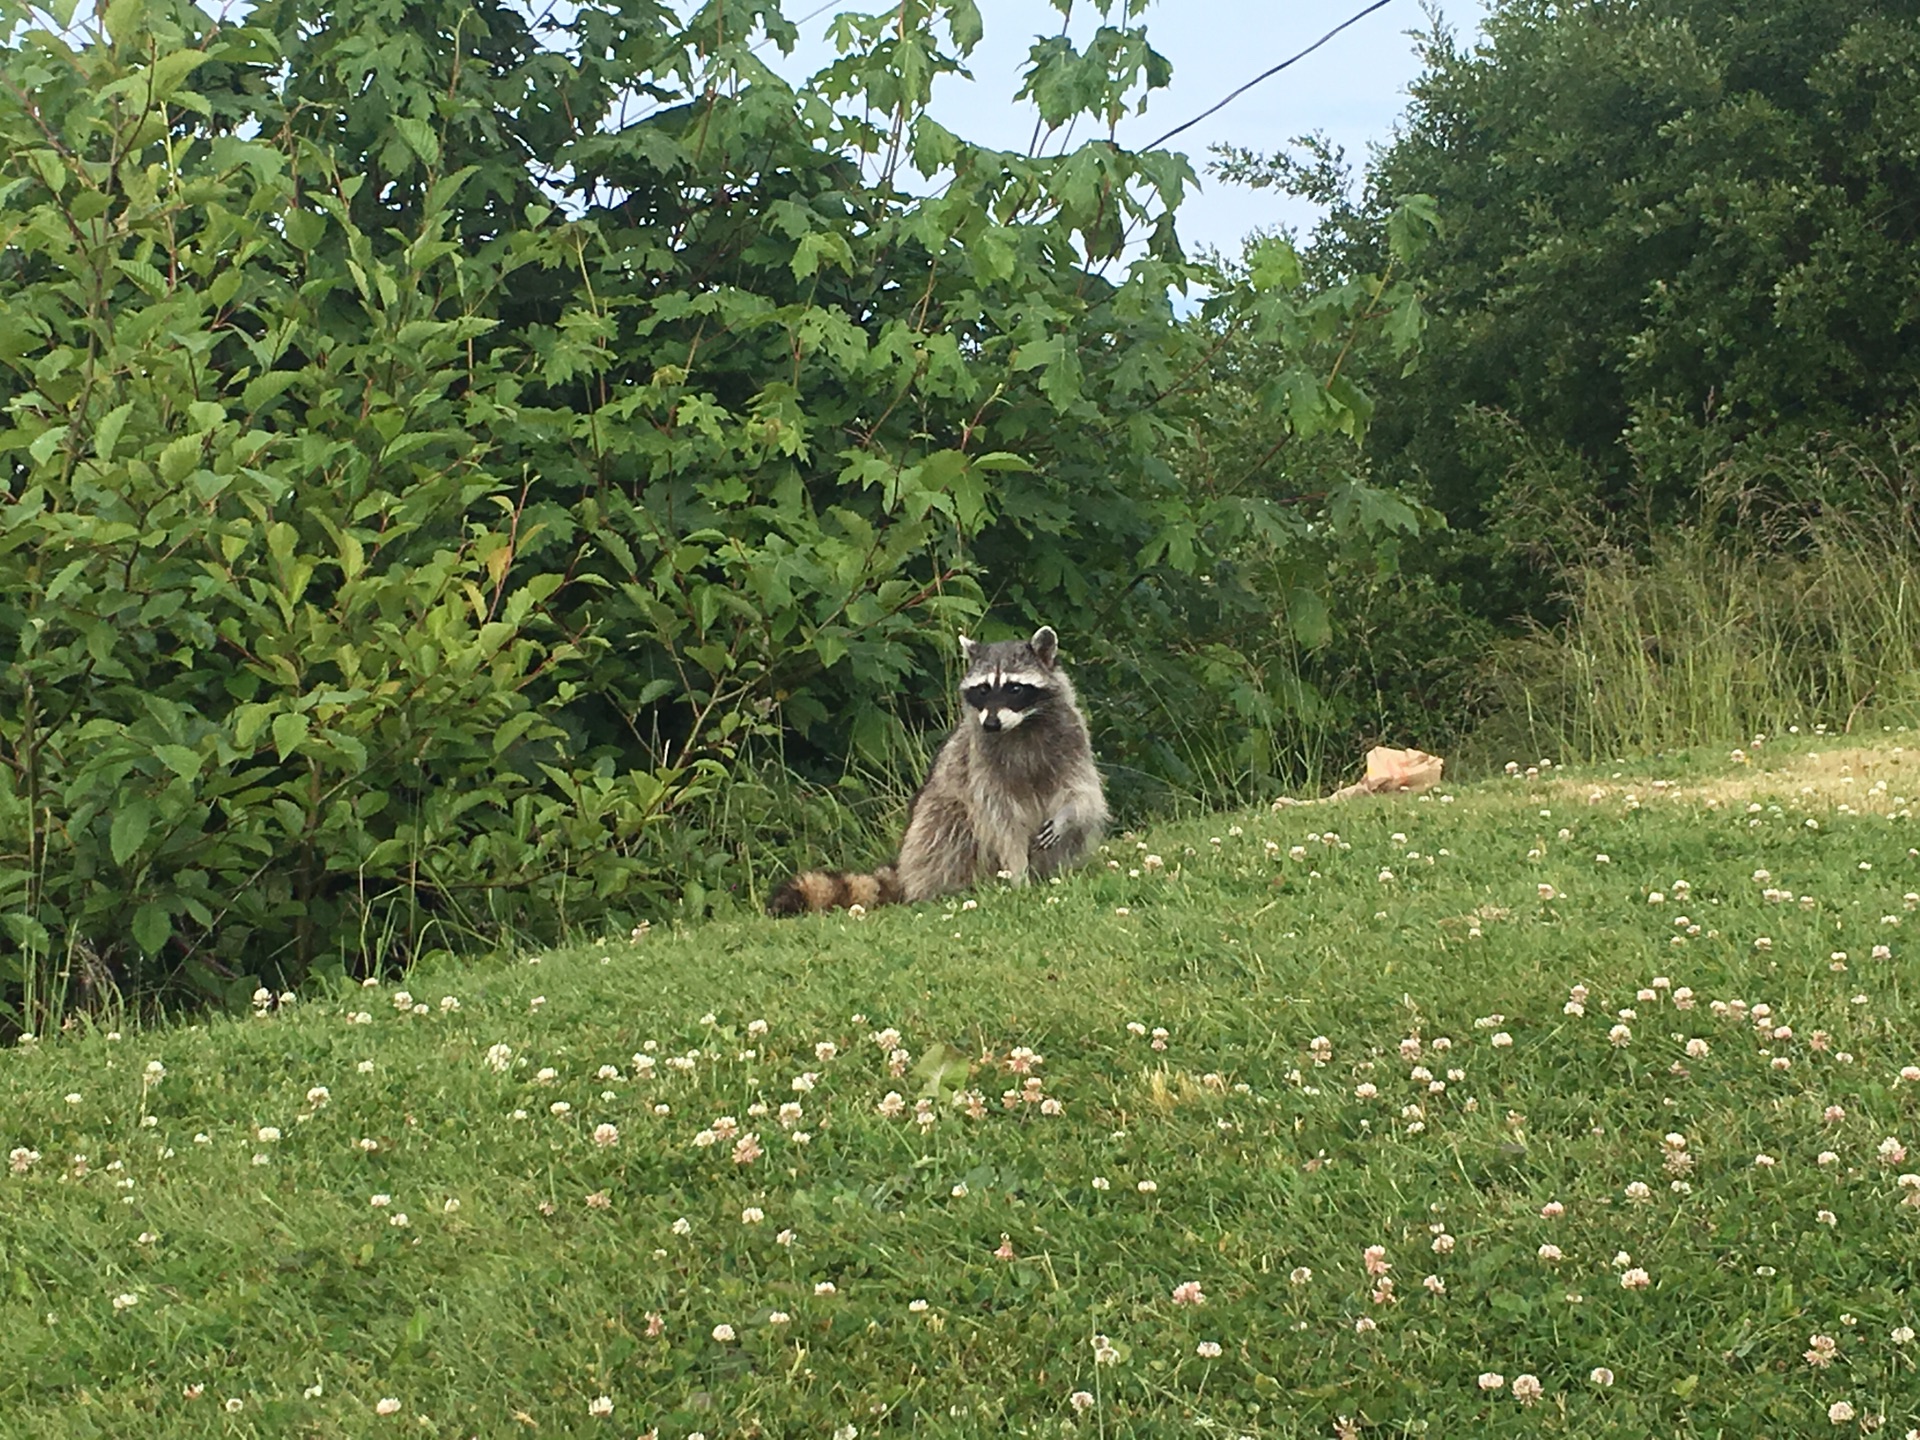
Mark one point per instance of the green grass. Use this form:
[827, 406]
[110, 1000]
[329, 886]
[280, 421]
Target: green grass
[271, 1293]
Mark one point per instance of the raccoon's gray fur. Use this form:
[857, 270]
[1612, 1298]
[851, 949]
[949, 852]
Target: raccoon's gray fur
[1013, 791]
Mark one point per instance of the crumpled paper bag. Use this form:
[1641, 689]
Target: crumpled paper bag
[1389, 772]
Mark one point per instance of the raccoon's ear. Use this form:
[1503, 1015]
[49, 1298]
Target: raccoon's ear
[1045, 645]
[967, 647]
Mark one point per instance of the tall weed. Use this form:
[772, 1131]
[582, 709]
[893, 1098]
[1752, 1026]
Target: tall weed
[1758, 615]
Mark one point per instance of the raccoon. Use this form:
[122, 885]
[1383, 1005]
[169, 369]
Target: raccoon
[1013, 791]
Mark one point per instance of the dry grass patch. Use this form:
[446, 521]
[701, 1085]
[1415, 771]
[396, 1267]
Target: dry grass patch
[1167, 1091]
[1869, 779]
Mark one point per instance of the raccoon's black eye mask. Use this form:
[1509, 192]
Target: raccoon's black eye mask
[1012, 696]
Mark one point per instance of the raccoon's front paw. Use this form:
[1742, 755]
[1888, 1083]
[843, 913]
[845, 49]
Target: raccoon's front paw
[1047, 836]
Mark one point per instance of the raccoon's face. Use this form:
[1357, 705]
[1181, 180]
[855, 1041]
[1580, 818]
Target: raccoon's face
[1009, 680]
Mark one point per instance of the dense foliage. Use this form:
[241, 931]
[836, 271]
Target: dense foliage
[1668, 216]
[437, 440]
[1674, 290]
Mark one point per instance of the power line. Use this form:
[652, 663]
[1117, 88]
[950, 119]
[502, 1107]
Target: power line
[752, 49]
[1267, 75]
[811, 14]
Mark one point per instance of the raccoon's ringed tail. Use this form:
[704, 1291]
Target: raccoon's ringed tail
[813, 891]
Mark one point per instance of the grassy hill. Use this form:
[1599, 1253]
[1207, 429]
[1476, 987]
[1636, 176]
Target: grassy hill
[1565, 1104]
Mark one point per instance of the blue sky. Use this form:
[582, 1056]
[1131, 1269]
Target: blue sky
[1353, 88]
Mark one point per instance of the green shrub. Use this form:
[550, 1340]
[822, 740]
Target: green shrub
[275, 691]
[436, 443]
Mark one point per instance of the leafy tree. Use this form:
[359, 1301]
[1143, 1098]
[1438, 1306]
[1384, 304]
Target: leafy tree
[438, 438]
[1674, 229]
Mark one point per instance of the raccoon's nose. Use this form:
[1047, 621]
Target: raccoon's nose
[989, 720]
